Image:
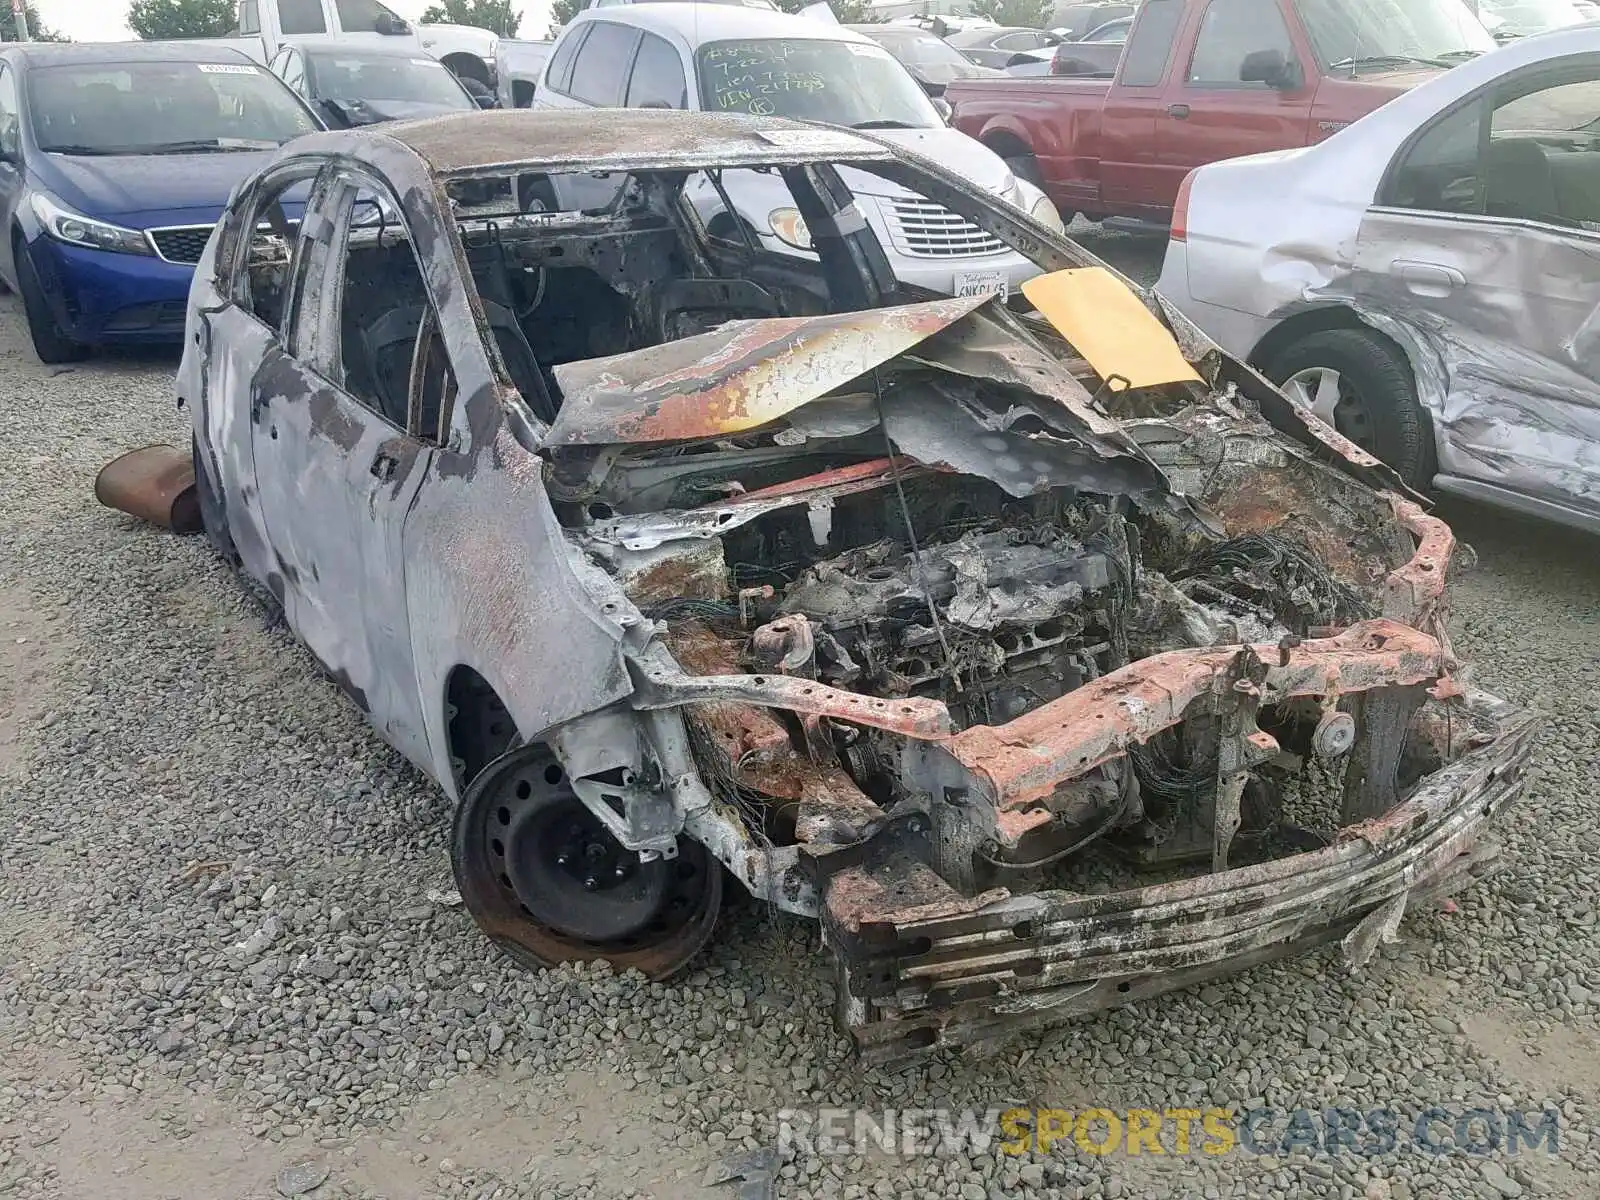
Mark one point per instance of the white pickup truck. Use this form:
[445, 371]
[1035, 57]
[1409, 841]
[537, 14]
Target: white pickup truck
[266, 25]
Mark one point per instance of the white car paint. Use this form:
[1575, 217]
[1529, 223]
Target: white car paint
[687, 27]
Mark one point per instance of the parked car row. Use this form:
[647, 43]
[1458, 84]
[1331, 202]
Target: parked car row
[737, 59]
[105, 225]
[1203, 80]
[266, 26]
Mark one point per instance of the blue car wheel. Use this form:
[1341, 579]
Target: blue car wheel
[49, 342]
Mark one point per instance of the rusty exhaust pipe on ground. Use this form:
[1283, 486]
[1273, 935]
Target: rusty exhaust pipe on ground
[155, 484]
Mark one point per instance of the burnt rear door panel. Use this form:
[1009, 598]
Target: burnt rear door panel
[335, 481]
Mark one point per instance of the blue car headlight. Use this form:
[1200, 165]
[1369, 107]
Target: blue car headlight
[77, 230]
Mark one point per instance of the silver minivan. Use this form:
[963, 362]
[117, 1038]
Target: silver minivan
[727, 58]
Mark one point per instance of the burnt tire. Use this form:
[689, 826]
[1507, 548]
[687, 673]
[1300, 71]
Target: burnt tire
[50, 342]
[1376, 402]
[546, 883]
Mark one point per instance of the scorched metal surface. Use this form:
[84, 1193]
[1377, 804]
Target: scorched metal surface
[889, 611]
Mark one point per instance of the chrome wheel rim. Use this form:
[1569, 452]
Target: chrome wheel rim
[1331, 397]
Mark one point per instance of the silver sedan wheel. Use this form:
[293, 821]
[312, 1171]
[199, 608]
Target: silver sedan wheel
[1325, 392]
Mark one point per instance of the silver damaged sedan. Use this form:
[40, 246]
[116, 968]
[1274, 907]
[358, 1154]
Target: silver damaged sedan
[1428, 279]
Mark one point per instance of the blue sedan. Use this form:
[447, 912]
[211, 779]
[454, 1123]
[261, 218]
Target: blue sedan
[116, 161]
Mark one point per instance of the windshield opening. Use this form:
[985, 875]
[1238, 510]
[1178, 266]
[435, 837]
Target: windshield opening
[145, 108]
[922, 50]
[385, 77]
[1356, 33]
[1519, 18]
[837, 83]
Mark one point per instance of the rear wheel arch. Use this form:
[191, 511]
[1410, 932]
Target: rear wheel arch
[1006, 144]
[1283, 335]
[469, 65]
[1401, 429]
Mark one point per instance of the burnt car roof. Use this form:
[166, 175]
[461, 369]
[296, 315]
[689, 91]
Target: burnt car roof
[618, 139]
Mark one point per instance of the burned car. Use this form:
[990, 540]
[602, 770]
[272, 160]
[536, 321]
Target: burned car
[685, 566]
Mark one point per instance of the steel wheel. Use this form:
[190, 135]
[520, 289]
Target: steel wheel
[1333, 398]
[546, 881]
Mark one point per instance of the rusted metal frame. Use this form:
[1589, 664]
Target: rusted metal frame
[1027, 758]
[1414, 592]
[662, 687]
[1245, 886]
[874, 473]
[1161, 926]
[980, 1022]
[1241, 747]
[1054, 962]
[713, 520]
[1372, 767]
[897, 1024]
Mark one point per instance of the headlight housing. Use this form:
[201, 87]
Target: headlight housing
[76, 230]
[790, 227]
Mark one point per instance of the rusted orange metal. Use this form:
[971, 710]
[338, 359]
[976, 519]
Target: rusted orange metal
[1023, 760]
[870, 474]
[155, 484]
[1414, 591]
[738, 377]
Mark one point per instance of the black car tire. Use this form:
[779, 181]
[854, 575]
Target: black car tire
[1025, 166]
[1398, 429]
[51, 345]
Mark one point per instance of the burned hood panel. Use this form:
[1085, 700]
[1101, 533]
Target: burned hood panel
[735, 378]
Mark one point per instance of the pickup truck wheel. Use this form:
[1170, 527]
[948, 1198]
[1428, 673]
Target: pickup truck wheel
[1362, 386]
[49, 342]
[1026, 166]
[548, 884]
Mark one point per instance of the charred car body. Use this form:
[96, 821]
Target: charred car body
[673, 560]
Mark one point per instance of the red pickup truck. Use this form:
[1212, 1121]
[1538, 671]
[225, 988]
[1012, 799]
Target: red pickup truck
[1202, 80]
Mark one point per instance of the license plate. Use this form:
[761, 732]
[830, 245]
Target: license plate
[981, 283]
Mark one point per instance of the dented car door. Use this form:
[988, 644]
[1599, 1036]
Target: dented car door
[1487, 235]
[331, 439]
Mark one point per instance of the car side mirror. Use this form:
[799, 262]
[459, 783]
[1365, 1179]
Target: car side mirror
[487, 101]
[390, 25]
[942, 107]
[1271, 68]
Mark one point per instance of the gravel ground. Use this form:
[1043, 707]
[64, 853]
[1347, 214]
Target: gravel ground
[226, 969]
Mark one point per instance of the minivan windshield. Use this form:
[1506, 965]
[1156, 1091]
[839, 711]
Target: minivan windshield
[354, 77]
[1519, 18]
[1357, 35]
[162, 108]
[839, 83]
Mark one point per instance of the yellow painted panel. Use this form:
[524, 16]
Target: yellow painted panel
[1109, 326]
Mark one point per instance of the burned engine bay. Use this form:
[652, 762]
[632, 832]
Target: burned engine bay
[850, 563]
[941, 629]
